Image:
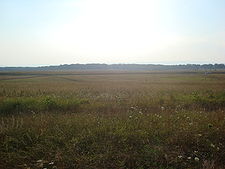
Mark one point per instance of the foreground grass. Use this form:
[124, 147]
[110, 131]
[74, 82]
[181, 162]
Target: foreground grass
[130, 140]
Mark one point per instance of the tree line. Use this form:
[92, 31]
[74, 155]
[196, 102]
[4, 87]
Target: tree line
[134, 67]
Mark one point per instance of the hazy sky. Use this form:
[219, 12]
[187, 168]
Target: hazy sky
[42, 32]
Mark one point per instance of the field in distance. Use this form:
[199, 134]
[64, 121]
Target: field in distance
[112, 119]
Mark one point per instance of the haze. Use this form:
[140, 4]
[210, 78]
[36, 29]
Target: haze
[48, 32]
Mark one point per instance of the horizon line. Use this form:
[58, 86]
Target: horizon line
[92, 63]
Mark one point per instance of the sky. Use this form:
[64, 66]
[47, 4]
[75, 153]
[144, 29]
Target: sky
[53, 32]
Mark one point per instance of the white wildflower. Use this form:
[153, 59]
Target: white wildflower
[212, 145]
[51, 163]
[196, 159]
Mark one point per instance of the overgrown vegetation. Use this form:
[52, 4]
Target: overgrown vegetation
[157, 121]
[208, 101]
[38, 104]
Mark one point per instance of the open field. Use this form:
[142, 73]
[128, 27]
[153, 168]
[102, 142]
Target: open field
[97, 120]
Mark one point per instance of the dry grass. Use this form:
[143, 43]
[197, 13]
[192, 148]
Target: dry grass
[124, 120]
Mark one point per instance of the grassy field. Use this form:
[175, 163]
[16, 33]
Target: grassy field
[113, 120]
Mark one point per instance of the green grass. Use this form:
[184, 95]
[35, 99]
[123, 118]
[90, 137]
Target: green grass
[208, 100]
[38, 104]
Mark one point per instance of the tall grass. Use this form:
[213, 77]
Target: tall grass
[132, 140]
[39, 104]
[207, 101]
[157, 121]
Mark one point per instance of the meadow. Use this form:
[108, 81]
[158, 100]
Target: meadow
[112, 120]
